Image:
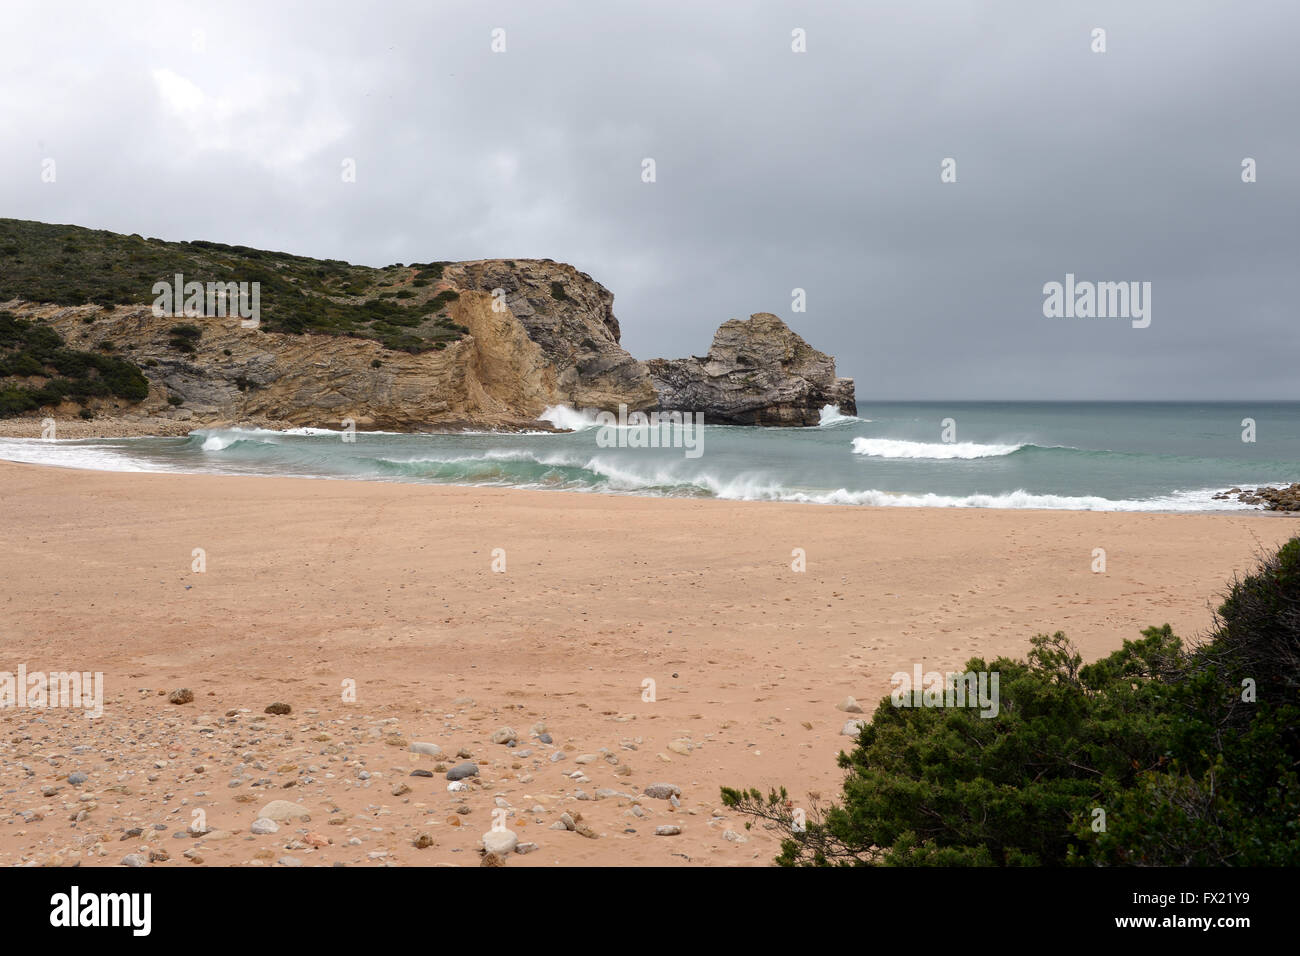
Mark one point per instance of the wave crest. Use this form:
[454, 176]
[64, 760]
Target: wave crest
[896, 448]
[831, 416]
[562, 416]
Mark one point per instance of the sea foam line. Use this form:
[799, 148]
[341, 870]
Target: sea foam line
[897, 448]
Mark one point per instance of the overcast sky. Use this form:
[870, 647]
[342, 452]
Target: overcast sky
[775, 170]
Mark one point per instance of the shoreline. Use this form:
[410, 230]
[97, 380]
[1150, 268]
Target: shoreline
[107, 428]
[1239, 512]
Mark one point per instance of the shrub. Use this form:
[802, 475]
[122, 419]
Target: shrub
[32, 349]
[72, 266]
[1161, 737]
[175, 400]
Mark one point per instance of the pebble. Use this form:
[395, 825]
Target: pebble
[504, 735]
[852, 727]
[262, 825]
[668, 829]
[289, 861]
[849, 706]
[662, 791]
[281, 810]
[500, 842]
[182, 695]
[77, 778]
[463, 770]
[428, 749]
[134, 859]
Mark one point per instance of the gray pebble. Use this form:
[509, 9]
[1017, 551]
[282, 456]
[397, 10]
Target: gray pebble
[463, 770]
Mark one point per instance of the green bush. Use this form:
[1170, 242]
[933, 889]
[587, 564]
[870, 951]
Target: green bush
[186, 331]
[29, 349]
[1167, 741]
[297, 294]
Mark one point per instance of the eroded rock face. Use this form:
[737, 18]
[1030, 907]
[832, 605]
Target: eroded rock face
[571, 317]
[757, 372]
[556, 343]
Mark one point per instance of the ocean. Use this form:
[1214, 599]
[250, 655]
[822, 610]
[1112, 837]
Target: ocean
[1055, 455]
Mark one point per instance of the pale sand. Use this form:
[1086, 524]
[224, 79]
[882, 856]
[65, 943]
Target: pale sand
[309, 583]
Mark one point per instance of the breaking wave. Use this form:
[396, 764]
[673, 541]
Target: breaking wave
[896, 448]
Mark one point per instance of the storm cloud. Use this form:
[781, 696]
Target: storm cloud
[775, 170]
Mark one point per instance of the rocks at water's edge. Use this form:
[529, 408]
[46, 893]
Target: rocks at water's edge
[1270, 499]
[757, 372]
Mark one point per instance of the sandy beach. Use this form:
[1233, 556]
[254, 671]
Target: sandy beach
[311, 587]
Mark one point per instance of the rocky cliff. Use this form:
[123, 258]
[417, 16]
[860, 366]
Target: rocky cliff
[551, 339]
[757, 372]
[487, 343]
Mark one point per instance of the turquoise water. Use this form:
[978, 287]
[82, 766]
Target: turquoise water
[1093, 456]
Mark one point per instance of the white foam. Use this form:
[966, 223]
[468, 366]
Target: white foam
[562, 416]
[71, 454]
[895, 448]
[831, 416]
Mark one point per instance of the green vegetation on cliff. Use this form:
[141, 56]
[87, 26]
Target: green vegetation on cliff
[71, 265]
[1158, 755]
[30, 350]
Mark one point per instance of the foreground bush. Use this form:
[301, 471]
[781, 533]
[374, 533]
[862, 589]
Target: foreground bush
[1155, 755]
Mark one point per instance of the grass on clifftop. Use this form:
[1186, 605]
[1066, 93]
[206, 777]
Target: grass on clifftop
[30, 350]
[71, 265]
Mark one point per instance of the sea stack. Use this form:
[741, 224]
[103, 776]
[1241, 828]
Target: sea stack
[758, 372]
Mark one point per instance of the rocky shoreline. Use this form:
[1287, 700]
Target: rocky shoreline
[1269, 499]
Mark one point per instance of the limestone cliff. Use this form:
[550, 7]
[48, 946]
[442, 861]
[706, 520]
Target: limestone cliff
[487, 343]
[571, 317]
[552, 339]
[757, 372]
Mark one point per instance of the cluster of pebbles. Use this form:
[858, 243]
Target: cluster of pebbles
[171, 778]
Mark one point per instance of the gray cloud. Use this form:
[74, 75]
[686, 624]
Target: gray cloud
[776, 170]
